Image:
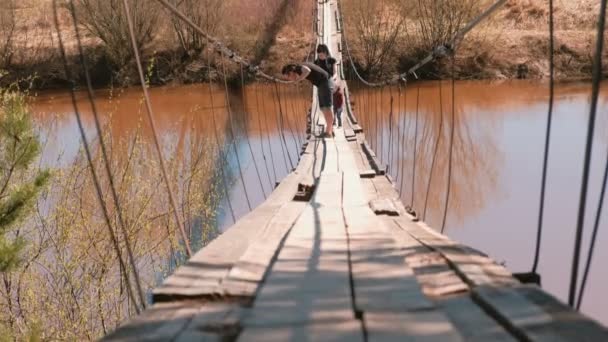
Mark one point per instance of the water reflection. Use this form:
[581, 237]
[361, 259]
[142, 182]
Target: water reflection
[498, 150]
[498, 145]
[476, 158]
[205, 133]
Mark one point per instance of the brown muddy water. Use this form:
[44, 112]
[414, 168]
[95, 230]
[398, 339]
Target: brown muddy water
[497, 156]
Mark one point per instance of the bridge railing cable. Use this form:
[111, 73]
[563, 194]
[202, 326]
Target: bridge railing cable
[438, 52]
[150, 115]
[597, 77]
[96, 179]
[221, 47]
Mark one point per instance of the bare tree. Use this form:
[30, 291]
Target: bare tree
[106, 20]
[206, 14]
[7, 32]
[377, 25]
[435, 22]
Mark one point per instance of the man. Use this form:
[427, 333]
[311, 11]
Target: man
[320, 79]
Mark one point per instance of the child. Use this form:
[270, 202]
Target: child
[338, 104]
[319, 78]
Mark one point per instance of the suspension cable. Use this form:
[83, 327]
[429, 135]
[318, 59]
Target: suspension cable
[274, 167]
[94, 175]
[391, 150]
[541, 209]
[255, 164]
[259, 115]
[438, 52]
[415, 146]
[401, 140]
[285, 118]
[452, 129]
[154, 132]
[219, 46]
[233, 135]
[598, 214]
[597, 76]
[279, 127]
[282, 133]
[220, 151]
[104, 153]
[439, 134]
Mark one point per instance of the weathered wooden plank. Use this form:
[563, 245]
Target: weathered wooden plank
[347, 331]
[309, 282]
[330, 164]
[213, 322]
[161, 322]
[202, 275]
[385, 188]
[346, 158]
[383, 206]
[416, 326]
[382, 280]
[353, 192]
[248, 273]
[471, 321]
[367, 174]
[349, 133]
[474, 267]
[329, 190]
[535, 315]
[522, 317]
[432, 271]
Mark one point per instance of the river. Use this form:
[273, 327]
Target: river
[497, 156]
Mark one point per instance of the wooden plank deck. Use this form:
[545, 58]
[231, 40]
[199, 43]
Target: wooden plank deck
[349, 264]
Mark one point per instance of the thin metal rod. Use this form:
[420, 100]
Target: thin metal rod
[154, 131]
[452, 129]
[96, 183]
[415, 146]
[439, 134]
[541, 209]
[91, 98]
[255, 164]
[597, 76]
[233, 135]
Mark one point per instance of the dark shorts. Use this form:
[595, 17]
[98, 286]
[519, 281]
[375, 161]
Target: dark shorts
[324, 93]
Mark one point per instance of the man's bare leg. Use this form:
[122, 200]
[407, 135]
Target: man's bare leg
[329, 121]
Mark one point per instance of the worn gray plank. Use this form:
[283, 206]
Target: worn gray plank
[248, 273]
[472, 322]
[524, 318]
[383, 206]
[410, 326]
[213, 322]
[309, 282]
[161, 322]
[474, 267]
[348, 331]
[382, 280]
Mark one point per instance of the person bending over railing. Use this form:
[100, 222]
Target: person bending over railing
[322, 80]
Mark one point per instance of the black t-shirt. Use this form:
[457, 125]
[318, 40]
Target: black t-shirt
[317, 75]
[327, 64]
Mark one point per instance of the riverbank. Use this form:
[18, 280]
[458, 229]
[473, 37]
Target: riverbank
[513, 44]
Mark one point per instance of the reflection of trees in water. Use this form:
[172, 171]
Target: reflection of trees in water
[70, 285]
[476, 159]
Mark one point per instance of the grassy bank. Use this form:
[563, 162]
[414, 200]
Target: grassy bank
[269, 32]
[513, 43]
[385, 36]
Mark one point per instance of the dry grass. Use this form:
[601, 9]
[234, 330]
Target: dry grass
[253, 29]
[513, 43]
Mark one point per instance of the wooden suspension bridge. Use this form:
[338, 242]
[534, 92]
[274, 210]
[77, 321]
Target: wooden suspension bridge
[332, 255]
